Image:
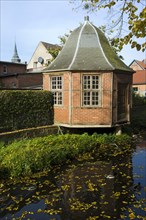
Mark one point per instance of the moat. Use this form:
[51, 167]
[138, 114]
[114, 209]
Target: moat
[89, 189]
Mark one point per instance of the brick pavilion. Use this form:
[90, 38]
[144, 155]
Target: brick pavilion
[91, 85]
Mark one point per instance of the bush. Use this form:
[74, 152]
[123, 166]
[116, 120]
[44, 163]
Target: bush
[26, 157]
[25, 109]
[138, 119]
[138, 115]
[138, 100]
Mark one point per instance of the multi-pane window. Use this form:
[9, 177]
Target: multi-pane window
[91, 90]
[56, 88]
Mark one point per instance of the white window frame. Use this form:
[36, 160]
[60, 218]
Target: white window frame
[91, 90]
[57, 89]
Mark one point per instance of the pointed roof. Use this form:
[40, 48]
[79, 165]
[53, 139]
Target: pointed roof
[48, 45]
[15, 58]
[142, 63]
[87, 49]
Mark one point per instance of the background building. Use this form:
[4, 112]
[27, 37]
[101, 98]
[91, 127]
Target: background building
[41, 57]
[139, 77]
[13, 75]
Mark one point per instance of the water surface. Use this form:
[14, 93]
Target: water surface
[85, 189]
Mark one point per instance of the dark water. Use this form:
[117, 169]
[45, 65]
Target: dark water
[81, 191]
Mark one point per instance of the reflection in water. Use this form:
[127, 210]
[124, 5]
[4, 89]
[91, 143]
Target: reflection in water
[81, 190]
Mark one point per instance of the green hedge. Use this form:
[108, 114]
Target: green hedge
[138, 100]
[25, 109]
[26, 157]
[138, 115]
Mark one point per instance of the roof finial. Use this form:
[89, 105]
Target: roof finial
[86, 18]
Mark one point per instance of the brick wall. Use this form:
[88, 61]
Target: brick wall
[9, 82]
[30, 79]
[10, 78]
[61, 113]
[87, 115]
[12, 68]
[21, 80]
[72, 111]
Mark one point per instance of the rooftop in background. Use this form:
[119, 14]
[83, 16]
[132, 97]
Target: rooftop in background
[48, 45]
[41, 57]
[12, 63]
[139, 77]
[141, 63]
[138, 65]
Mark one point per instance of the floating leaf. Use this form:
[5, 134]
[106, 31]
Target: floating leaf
[132, 216]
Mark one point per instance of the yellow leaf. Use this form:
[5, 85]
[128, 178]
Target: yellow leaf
[131, 215]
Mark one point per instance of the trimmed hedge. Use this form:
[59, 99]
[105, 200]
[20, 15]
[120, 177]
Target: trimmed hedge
[138, 100]
[26, 157]
[25, 109]
[138, 116]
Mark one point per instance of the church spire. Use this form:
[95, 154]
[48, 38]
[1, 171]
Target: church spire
[15, 58]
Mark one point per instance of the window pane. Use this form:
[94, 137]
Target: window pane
[59, 98]
[94, 98]
[59, 82]
[95, 82]
[86, 98]
[53, 82]
[86, 82]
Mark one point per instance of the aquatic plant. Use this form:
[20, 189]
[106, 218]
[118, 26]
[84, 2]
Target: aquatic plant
[25, 157]
[80, 189]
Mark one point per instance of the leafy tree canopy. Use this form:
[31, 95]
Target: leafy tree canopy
[55, 50]
[128, 20]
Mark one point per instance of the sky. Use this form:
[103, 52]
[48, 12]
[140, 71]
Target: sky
[27, 22]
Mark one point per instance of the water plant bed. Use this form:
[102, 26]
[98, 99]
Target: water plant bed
[26, 157]
[87, 188]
